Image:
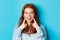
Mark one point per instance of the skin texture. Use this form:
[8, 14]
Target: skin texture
[26, 22]
[28, 15]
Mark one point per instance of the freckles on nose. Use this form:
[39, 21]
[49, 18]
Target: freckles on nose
[29, 15]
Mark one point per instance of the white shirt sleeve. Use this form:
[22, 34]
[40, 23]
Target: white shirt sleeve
[17, 34]
[41, 33]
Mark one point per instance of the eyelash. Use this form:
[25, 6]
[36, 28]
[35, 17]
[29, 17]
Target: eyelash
[31, 12]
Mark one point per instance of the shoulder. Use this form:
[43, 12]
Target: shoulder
[16, 28]
[43, 28]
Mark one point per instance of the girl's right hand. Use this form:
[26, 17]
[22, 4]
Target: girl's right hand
[23, 25]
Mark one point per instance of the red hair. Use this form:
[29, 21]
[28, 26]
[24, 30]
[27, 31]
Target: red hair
[31, 28]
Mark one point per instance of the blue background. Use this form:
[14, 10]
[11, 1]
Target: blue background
[10, 12]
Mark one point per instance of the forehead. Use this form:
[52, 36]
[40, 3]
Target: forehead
[28, 9]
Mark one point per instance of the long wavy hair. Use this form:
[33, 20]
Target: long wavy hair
[31, 29]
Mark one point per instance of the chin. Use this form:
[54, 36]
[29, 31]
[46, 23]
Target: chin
[29, 20]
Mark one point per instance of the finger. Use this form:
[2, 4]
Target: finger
[34, 20]
[24, 21]
[25, 24]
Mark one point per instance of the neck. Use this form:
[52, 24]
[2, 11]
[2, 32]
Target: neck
[29, 23]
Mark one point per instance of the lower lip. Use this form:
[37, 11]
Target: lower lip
[29, 19]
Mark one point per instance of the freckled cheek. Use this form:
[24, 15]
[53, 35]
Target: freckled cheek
[32, 16]
[25, 15]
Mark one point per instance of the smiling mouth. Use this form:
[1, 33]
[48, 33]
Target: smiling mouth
[29, 18]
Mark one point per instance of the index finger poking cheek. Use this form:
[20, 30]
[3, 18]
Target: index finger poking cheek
[24, 21]
[34, 20]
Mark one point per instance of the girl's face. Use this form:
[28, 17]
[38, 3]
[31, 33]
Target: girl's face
[28, 14]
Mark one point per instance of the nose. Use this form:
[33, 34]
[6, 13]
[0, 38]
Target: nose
[29, 15]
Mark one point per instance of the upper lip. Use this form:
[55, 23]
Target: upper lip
[29, 18]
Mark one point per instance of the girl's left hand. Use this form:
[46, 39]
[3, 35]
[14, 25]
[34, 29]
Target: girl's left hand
[35, 24]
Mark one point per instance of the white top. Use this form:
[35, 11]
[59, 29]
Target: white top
[40, 35]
